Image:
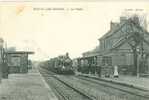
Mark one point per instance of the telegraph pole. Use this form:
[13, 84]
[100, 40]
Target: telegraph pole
[1, 58]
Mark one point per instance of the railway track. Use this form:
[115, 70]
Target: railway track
[63, 90]
[113, 82]
[141, 93]
[95, 89]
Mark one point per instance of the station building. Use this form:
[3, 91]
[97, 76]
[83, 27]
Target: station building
[116, 48]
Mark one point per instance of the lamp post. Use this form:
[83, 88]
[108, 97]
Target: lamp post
[1, 57]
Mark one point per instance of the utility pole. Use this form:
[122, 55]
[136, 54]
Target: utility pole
[1, 58]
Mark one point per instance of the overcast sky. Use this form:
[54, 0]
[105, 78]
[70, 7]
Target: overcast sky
[74, 28]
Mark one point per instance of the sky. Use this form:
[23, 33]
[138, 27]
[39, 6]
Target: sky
[52, 29]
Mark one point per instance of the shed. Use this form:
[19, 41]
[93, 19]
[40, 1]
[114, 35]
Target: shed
[17, 61]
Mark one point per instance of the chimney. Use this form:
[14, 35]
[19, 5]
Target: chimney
[113, 25]
[123, 19]
[136, 19]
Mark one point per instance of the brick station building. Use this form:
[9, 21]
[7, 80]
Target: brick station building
[117, 48]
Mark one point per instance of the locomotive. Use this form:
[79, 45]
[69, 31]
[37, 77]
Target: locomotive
[61, 64]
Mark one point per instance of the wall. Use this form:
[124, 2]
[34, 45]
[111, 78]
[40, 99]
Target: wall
[17, 63]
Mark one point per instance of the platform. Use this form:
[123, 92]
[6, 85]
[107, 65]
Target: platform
[29, 86]
[141, 82]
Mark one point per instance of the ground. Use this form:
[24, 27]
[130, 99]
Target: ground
[29, 86]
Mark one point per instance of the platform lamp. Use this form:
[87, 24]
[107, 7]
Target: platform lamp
[1, 57]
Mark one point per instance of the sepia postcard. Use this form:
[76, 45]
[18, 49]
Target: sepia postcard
[74, 50]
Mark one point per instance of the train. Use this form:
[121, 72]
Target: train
[91, 65]
[60, 65]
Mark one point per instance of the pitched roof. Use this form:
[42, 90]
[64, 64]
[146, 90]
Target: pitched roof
[19, 52]
[121, 24]
[113, 31]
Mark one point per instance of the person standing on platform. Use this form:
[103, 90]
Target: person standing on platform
[99, 71]
[116, 71]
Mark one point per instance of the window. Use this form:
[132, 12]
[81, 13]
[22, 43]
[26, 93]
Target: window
[106, 60]
[14, 61]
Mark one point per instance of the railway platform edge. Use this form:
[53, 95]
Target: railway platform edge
[131, 81]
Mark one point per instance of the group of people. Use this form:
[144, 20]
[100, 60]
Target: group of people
[107, 72]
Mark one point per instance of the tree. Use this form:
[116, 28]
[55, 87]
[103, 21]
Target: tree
[135, 39]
